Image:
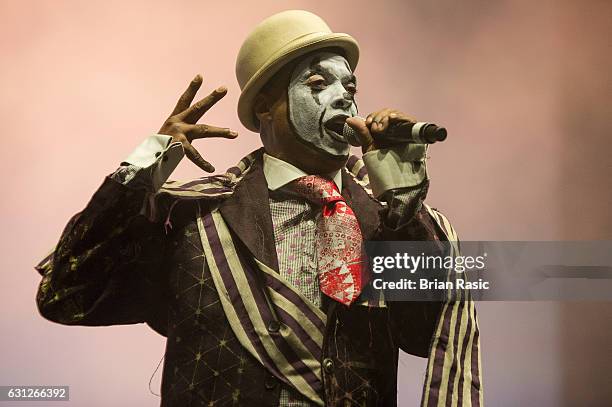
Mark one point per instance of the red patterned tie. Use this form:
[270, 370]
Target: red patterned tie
[338, 243]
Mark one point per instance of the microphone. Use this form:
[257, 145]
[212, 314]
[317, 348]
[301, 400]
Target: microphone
[401, 133]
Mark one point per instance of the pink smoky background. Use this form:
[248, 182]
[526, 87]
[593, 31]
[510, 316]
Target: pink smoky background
[522, 86]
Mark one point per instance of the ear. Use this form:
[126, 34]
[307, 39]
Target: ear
[262, 108]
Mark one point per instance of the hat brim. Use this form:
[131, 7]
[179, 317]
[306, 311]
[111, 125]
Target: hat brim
[295, 49]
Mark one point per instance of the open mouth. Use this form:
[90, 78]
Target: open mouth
[335, 127]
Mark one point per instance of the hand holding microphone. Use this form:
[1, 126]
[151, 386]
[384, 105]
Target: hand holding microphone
[390, 127]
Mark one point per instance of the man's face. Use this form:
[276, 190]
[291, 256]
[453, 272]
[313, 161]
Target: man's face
[321, 95]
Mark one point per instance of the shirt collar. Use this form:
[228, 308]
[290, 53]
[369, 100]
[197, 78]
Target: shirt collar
[279, 173]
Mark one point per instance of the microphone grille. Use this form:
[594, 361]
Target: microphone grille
[350, 134]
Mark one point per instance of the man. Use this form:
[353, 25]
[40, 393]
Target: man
[255, 276]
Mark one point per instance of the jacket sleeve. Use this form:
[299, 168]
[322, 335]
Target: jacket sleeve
[107, 266]
[446, 332]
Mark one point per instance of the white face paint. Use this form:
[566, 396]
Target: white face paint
[322, 87]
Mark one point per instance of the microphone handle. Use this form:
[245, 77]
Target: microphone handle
[420, 132]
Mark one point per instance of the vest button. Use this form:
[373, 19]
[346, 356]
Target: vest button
[328, 365]
[273, 326]
[270, 382]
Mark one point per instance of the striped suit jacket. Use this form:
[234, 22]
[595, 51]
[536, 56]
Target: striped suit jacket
[132, 257]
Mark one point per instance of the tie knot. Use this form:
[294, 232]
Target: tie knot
[317, 189]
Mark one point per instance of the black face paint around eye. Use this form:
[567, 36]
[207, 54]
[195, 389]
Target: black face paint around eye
[315, 95]
[315, 68]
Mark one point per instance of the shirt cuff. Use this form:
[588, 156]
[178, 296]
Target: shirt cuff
[148, 151]
[396, 167]
[157, 155]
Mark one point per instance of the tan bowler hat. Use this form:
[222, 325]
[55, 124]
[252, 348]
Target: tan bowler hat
[274, 42]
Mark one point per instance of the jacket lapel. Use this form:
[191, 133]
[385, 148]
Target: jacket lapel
[247, 213]
[365, 207]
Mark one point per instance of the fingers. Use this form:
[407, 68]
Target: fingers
[196, 158]
[187, 96]
[383, 123]
[378, 122]
[196, 131]
[362, 132]
[196, 111]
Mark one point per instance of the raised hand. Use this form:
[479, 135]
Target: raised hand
[182, 123]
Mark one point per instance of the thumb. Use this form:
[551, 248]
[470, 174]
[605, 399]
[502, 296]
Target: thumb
[364, 137]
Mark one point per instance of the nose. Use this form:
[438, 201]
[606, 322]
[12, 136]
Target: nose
[342, 99]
